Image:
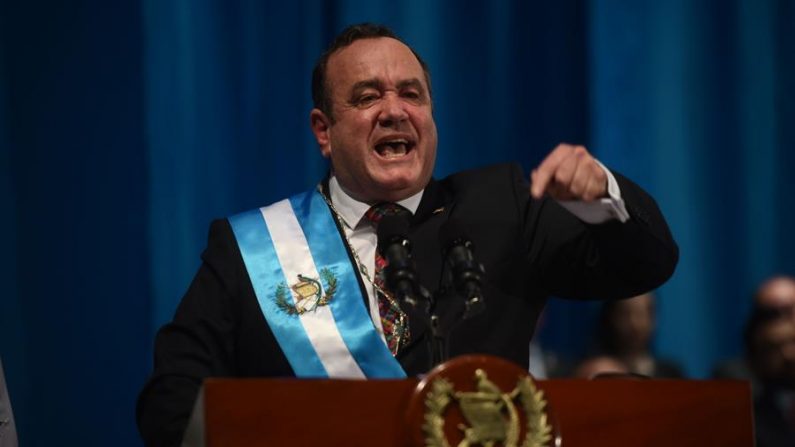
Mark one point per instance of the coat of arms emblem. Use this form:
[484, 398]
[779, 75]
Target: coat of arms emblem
[492, 416]
[308, 293]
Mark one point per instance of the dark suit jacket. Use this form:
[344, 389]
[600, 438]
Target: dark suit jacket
[773, 424]
[530, 249]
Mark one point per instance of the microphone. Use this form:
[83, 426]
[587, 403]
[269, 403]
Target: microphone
[467, 273]
[394, 246]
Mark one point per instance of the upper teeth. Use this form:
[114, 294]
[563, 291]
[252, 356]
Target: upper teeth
[397, 141]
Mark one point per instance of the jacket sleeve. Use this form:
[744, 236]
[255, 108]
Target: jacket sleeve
[573, 259]
[197, 344]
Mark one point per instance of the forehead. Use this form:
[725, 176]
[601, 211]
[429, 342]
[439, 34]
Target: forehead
[778, 293]
[383, 59]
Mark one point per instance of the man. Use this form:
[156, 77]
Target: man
[601, 365]
[295, 288]
[778, 295]
[770, 351]
[774, 297]
[625, 333]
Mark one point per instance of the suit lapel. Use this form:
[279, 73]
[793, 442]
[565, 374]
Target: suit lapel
[432, 212]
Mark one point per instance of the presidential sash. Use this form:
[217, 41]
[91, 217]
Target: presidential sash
[308, 290]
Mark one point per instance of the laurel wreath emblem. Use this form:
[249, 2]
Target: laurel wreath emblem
[285, 304]
[436, 402]
[442, 394]
[539, 432]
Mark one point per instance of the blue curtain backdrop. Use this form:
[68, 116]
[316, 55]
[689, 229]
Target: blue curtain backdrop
[125, 127]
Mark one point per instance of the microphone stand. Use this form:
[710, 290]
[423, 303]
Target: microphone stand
[465, 274]
[438, 343]
[426, 306]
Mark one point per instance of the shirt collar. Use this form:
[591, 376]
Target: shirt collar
[353, 210]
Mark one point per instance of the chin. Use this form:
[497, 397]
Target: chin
[396, 182]
[394, 191]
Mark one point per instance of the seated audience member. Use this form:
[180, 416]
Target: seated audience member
[625, 333]
[770, 352]
[776, 294]
[600, 365]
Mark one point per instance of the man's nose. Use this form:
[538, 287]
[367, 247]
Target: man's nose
[393, 111]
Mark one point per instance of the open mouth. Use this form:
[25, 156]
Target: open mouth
[394, 148]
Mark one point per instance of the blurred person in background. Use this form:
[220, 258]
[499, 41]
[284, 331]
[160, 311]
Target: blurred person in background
[625, 333]
[770, 356]
[600, 365]
[776, 294]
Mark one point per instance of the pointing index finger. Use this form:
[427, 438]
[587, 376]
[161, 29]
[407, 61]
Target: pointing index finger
[546, 170]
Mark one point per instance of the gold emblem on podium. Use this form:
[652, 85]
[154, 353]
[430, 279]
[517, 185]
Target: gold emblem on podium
[308, 293]
[492, 416]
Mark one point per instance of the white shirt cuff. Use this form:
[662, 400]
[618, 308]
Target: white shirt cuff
[602, 210]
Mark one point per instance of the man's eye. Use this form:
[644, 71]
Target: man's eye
[414, 96]
[365, 100]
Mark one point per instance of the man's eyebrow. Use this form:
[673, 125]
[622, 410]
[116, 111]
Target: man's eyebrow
[413, 82]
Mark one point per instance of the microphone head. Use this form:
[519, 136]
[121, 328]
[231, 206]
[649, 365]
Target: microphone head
[452, 233]
[393, 226]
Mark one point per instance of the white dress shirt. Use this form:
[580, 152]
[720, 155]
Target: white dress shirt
[362, 237]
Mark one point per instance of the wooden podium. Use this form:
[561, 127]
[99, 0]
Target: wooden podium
[592, 413]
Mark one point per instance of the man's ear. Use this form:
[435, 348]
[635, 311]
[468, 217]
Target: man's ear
[321, 124]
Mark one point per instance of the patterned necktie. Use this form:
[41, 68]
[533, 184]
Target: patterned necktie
[393, 319]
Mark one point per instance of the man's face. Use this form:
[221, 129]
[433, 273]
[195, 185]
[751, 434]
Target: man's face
[778, 294]
[382, 143]
[633, 322]
[775, 347]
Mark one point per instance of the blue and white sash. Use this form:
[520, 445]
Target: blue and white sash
[308, 290]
